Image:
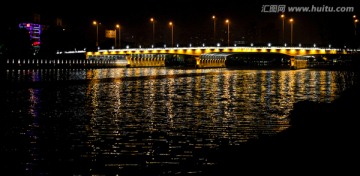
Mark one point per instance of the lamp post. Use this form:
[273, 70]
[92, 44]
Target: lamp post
[119, 45]
[153, 30]
[97, 32]
[283, 27]
[172, 33]
[214, 19]
[291, 28]
[355, 21]
[228, 31]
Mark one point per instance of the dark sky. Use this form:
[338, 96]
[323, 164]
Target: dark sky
[192, 19]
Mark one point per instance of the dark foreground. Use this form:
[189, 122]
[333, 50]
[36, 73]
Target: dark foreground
[329, 145]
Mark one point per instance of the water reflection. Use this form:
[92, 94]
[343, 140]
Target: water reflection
[152, 120]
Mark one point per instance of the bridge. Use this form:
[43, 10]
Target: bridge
[197, 51]
[212, 56]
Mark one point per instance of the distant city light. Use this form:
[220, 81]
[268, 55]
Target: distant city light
[269, 44]
[35, 31]
[218, 44]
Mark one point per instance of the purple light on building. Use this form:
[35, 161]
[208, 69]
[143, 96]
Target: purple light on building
[34, 31]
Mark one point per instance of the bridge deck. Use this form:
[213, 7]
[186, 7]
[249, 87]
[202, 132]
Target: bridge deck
[197, 51]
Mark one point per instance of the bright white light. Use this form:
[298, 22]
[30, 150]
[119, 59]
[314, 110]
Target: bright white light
[112, 47]
[269, 44]
[251, 44]
[127, 46]
[235, 44]
[329, 46]
[139, 46]
[314, 45]
[177, 45]
[299, 44]
[285, 44]
[190, 45]
[203, 44]
[218, 44]
[152, 46]
[165, 46]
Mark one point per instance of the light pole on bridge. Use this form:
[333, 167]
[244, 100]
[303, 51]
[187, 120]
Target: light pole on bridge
[97, 32]
[152, 20]
[228, 30]
[283, 27]
[172, 33]
[118, 27]
[291, 28]
[214, 19]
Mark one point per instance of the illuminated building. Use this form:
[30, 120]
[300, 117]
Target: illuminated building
[35, 31]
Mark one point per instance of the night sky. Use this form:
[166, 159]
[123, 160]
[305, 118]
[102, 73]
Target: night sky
[192, 19]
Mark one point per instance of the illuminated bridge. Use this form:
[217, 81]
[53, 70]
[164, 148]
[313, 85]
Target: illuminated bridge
[214, 56]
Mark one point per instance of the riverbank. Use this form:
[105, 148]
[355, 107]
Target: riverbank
[322, 138]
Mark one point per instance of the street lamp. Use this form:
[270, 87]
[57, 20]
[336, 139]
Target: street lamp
[172, 33]
[283, 26]
[228, 28]
[119, 45]
[97, 32]
[153, 30]
[291, 26]
[214, 18]
[355, 21]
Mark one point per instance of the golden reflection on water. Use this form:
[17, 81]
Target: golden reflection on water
[144, 117]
